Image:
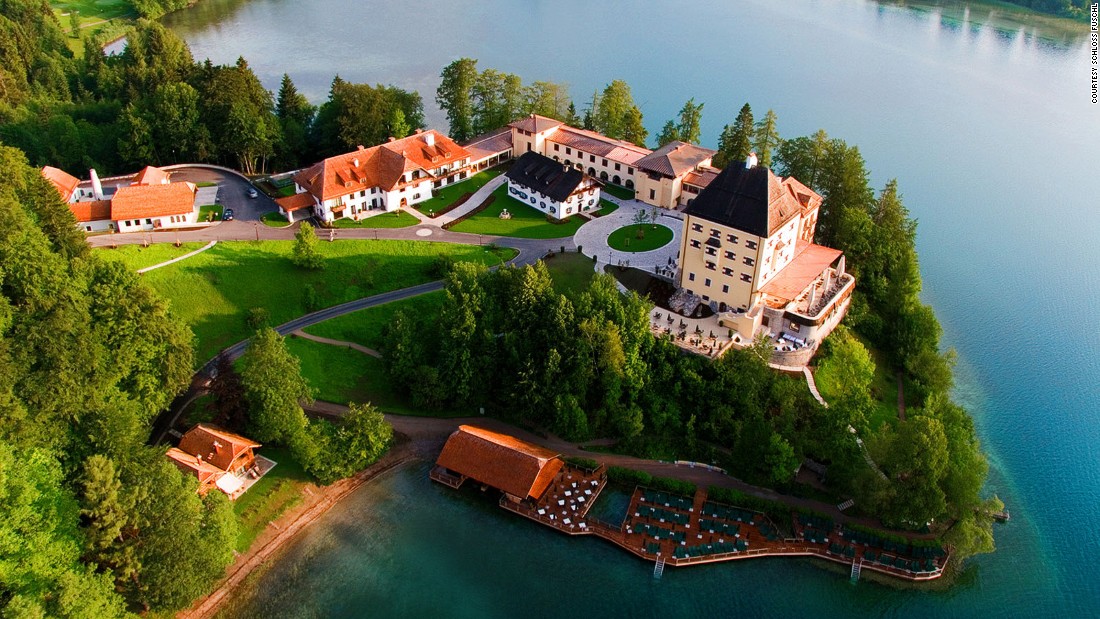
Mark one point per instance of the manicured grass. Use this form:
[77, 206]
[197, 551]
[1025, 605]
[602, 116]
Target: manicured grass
[446, 196]
[526, 222]
[396, 219]
[206, 184]
[621, 193]
[274, 219]
[607, 207]
[96, 17]
[653, 236]
[213, 291]
[343, 375]
[210, 212]
[365, 326]
[285, 191]
[138, 257]
[572, 272]
[270, 497]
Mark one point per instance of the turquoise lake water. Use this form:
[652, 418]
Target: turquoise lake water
[997, 150]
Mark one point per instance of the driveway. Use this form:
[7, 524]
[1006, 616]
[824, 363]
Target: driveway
[592, 236]
[232, 192]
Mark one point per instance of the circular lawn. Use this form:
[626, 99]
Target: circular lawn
[640, 237]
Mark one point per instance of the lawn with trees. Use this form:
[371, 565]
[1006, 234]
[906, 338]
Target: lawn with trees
[445, 197]
[213, 292]
[525, 222]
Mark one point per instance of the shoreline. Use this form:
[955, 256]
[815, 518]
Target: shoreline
[289, 525]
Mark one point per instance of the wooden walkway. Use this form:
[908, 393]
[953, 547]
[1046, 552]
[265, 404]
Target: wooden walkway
[680, 531]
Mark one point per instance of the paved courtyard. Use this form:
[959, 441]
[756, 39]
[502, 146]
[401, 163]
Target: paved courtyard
[592, 236]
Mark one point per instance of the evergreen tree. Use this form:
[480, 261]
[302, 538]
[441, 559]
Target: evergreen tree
[688, 128]
[735, 143]
[616, 115]
[589, 120]
[633, 127]
[766, 138]
[296, 115]
[669, 133]
[397, 125]
[571, 117]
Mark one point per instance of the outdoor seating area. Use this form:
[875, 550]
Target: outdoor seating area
[702, 336]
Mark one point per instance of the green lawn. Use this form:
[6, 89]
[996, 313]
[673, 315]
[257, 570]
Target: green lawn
[343, 375]
[526, 222]
[446, 196]
[653, 236]
[138, 257]
[285, 191]
[365, 326]
[210, 212]
[213, 291]
[606, 208]
[274, 219]
[97, 17]
[396, 219]
[270, 497]
[572, 272]
[621, 193]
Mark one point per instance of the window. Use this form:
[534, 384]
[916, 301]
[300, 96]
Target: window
[732, 238]
[605, 163]
[706, 298]
[149, 221]
[710, 266]
[555, 148]
[630, 170]
[727, 272]
[691, 277]
[528, 147]
[730, 255]
[725, 288]
[706, 282]
[652, 194]
[712, 251]
[568, 151]
[591, 159]
[749, 261]
[88, 228]
[750, 244]
[715, 233]
[618, 167]
[695, 243]
[745, 277]
[697, 227]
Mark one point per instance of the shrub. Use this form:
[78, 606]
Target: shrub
[584, 463]
[257, 318]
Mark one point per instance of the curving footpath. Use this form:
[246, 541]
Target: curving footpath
[175, 260]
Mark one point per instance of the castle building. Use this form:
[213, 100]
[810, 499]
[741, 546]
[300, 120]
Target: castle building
[748, 252]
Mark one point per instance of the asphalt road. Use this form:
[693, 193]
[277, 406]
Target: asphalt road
[232, 193]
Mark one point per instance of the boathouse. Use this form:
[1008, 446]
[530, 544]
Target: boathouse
[517, 468]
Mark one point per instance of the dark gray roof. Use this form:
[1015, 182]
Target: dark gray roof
[750, 200]
[545, 176]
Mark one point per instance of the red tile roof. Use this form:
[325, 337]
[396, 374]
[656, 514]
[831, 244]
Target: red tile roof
[64, 182]
[206, 472]
[214, 445]
[701, 178]
[675, 158]
[489, 144]
[379, 166]
[138, 201]
[151, 176]
[296, 201]
[809, 262]
[501, 461]
[535, 123]
[96, 210]
[597, 144]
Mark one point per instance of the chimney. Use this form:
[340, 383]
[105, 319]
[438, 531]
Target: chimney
[97, 187]
[750, 161]
[429, 138]
[355, 162]
[360, 147]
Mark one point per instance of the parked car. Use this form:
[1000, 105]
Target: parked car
[252, 193]
[228, 216]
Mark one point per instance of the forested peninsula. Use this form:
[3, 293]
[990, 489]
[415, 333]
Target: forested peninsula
[98, 524]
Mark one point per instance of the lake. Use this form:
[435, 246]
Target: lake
[988, 127]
